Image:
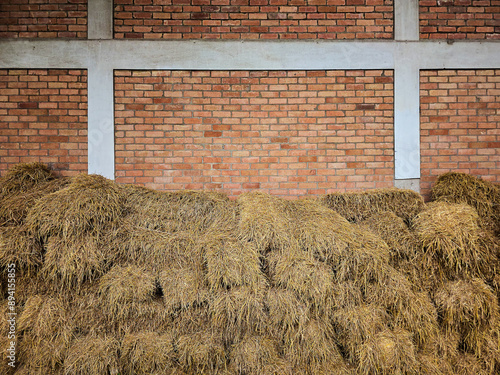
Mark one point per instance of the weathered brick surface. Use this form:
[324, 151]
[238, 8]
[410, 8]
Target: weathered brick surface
[43, 19]
[284, 132]
[460, 116]
[43, 117]
[460, 19]
[254, 19]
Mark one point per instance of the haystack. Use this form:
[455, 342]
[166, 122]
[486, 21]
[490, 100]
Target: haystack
[451, 237]
[357, 206]
[483, 195]
[92, 355]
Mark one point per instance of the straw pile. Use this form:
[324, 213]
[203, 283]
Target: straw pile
[483, 195]
[120, 279]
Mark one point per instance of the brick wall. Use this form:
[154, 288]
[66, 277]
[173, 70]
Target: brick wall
[43, 117]
[43, 19]
[460, 19]
[460, 113]
[254, 19]
[287, 133]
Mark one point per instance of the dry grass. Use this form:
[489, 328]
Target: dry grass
[19, 247]
[86, 205]
[255, 355]
[47, 332]
[387, 353]
[97, 355]
[313, 348]
[465, 305]
[22, 177]
[287, 313]
[147, 353]
[71, 261]
[15, 206]
[357, 206]
[231, 262]
[356, 324]
[452, 238]
[299, 272]
[238, 311]
[201, 352]
[483, 195]
[403, 245]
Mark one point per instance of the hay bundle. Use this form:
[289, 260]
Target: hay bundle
[466, 306]
[357, 206]
[483, 195]
[184, 285]
[452, 237]
[24, 176]
[47, 332]
[155, 250]
[92, 355]
[238, 311]
[313, 349]
[262, 221]
[387, 353]
[256, 355]
[181, 210]
[365, 261]
[355, 324]
[230, 262]
[201, 352]
[299, 272]
[71, 261]
[403, 245]
[287, 313]
[19, 247]
[468, 364]
[433, 365]
[317, 230]
[130, 296]
[407, 309]
[15, 206]
[147, 353]
[86, 205]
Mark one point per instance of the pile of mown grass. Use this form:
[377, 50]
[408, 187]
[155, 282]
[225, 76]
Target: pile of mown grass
[120, 279]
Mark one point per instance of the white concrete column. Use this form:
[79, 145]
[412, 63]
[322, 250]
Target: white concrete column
[406, 95]
[100, 19]
[101, 135]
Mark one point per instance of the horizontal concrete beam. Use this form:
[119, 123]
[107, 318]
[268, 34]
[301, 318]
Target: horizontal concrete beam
[244, 55]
